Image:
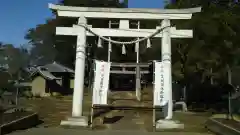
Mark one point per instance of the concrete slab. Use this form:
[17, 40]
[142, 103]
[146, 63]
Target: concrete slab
[75, 121]
[169, 124]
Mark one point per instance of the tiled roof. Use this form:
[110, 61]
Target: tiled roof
[47, 70]
[56, 67]
[46, 74]
[30, 69]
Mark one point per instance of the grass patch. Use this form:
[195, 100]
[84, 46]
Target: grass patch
[223, 116]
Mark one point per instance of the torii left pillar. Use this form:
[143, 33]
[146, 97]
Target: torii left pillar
[77, 118]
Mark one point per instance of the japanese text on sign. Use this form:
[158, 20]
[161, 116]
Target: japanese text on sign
[101, 82]
[160, 98]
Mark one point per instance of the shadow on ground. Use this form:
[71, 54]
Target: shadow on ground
[112, 120]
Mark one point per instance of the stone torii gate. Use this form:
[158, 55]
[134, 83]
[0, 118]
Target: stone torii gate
[82, 30]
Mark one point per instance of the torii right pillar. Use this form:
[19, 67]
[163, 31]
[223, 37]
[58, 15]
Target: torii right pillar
[166, 58]
[167, 123]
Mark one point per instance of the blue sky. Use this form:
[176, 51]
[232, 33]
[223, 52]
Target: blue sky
[17, 16]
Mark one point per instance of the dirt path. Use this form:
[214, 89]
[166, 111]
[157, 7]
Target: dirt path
[60, 131]
[53, 110]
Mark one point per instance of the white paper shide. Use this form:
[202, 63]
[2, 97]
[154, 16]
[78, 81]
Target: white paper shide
[101, 82]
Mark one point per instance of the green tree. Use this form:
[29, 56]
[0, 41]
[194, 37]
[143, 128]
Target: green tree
[47, 47]
[215, 38]
[13, 59]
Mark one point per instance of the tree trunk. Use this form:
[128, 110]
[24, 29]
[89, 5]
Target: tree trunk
[211, 78]
[185, 93]
[229, 74]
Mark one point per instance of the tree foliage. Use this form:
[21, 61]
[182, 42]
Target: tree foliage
[47, 47]
[12, 60]
[214, 47]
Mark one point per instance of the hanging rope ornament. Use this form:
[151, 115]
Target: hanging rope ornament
[136, 47]
[123, 49]
[99, 44]
[149, 43]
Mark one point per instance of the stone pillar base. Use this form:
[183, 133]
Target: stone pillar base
[169, 124]
[75, 121]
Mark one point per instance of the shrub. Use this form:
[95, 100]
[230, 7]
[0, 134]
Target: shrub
[56, 94]
[27, 94]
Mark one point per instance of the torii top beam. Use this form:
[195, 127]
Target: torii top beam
[124, 13]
